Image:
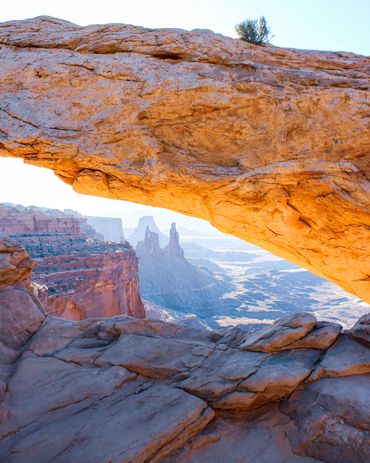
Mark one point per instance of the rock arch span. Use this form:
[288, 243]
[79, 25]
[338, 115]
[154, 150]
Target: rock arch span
[269, 144]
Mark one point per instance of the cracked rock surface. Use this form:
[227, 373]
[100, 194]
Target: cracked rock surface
[266, 143]
[126, 390]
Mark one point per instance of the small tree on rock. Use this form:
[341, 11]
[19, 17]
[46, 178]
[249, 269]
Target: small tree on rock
[254, 31]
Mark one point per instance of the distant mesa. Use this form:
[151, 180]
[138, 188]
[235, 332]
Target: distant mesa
[139, 233]
[90, 231]
[102, 228]
[109, 227]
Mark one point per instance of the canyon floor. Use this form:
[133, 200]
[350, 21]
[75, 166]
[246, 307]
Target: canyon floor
[266, 287]
[255, 287]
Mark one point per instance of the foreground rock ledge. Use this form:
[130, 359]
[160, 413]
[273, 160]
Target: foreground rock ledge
[125, 390]
[269, 144]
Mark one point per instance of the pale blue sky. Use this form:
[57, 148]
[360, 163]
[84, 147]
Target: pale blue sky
[314, 24]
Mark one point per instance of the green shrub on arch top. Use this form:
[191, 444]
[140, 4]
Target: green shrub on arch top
[254, 31]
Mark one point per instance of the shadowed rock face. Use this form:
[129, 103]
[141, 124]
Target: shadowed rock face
[266, 143]
[125, 390]
[21, 313]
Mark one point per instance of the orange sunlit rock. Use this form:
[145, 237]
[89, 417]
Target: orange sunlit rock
[269, 144]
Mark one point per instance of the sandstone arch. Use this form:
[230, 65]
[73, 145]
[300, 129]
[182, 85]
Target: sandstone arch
[269, 144]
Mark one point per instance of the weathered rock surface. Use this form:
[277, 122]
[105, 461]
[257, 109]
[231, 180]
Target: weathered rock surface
[361, 330]
[327, 408]
[15, 265]
[125, 390]
[321, 337]
[296, 331]
[243, 438]
[281, 334]
[346, 357]
[267, 143]
[74, 277]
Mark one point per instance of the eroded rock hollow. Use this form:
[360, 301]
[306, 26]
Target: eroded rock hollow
[269, 144]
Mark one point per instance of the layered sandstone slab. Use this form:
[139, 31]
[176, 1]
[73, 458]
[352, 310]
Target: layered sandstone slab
[125, 390]
[269, 144]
